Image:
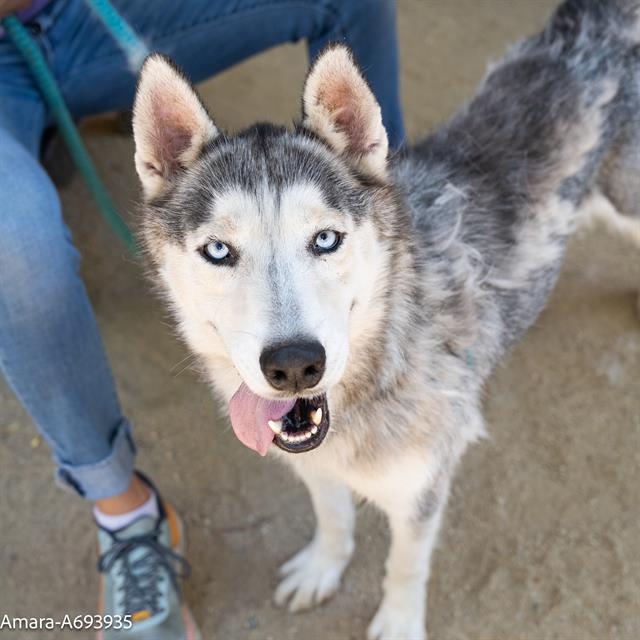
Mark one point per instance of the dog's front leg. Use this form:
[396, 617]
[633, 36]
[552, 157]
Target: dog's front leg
[414, 528]
[313, 574]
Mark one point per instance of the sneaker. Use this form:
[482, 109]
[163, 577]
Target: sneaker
[141, 566]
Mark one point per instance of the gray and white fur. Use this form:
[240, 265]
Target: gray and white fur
[451, 247]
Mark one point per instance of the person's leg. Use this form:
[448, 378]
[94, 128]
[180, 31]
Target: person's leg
[207, 36]
[50, 349]
[53, 358]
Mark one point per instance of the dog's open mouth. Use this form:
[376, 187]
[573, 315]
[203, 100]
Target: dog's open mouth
[304, 427]
[294, 425]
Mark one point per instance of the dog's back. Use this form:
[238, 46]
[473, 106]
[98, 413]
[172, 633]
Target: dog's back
[495, 192]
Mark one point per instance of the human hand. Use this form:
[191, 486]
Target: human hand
[11, 6]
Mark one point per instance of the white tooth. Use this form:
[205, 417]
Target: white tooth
[284, 436]
[275, 426]
[316, 416]
[307, 435]
[314, 430]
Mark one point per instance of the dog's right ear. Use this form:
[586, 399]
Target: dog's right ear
[170, 125]
[339, 105]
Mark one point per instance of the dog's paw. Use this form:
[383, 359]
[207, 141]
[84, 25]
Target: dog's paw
[393, 622]
[311, 576]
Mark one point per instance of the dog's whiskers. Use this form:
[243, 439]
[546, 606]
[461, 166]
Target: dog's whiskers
[191, 360]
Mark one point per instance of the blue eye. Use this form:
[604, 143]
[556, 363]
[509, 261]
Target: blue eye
[327, 241]
[217, 252]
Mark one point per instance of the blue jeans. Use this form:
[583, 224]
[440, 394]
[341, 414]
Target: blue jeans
[50, 350]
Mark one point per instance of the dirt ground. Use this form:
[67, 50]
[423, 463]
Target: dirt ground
[541, 539]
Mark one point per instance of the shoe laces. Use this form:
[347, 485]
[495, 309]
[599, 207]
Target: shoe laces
[142, 574]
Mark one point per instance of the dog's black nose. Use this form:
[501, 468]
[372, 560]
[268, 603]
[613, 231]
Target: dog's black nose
[293, 366]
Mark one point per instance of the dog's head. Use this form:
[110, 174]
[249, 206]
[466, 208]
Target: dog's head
[266, 241]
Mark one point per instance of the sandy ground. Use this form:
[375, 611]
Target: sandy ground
[541, 539]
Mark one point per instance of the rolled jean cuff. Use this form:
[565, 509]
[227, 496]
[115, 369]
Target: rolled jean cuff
[107, 477]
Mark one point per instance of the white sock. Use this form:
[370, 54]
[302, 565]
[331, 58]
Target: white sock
[113, 523]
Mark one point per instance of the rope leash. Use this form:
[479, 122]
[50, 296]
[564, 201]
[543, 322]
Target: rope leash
[135, 50]
[127, 39]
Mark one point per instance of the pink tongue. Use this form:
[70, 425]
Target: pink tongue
[249, 415]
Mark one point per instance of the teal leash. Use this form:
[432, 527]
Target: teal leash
[127, 39]
[135, 51]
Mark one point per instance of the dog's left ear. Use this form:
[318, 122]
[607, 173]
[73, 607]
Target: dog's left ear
[170, 125]
[339, 106]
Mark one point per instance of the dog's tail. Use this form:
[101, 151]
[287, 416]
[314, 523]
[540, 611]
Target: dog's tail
[609, 25]
[547, 115]
[619, 177]
[619, 182]
[608, 33]
[580, 22]
[547, 118]
[600, 39]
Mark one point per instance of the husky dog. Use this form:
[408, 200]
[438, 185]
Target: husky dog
[348, 305]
